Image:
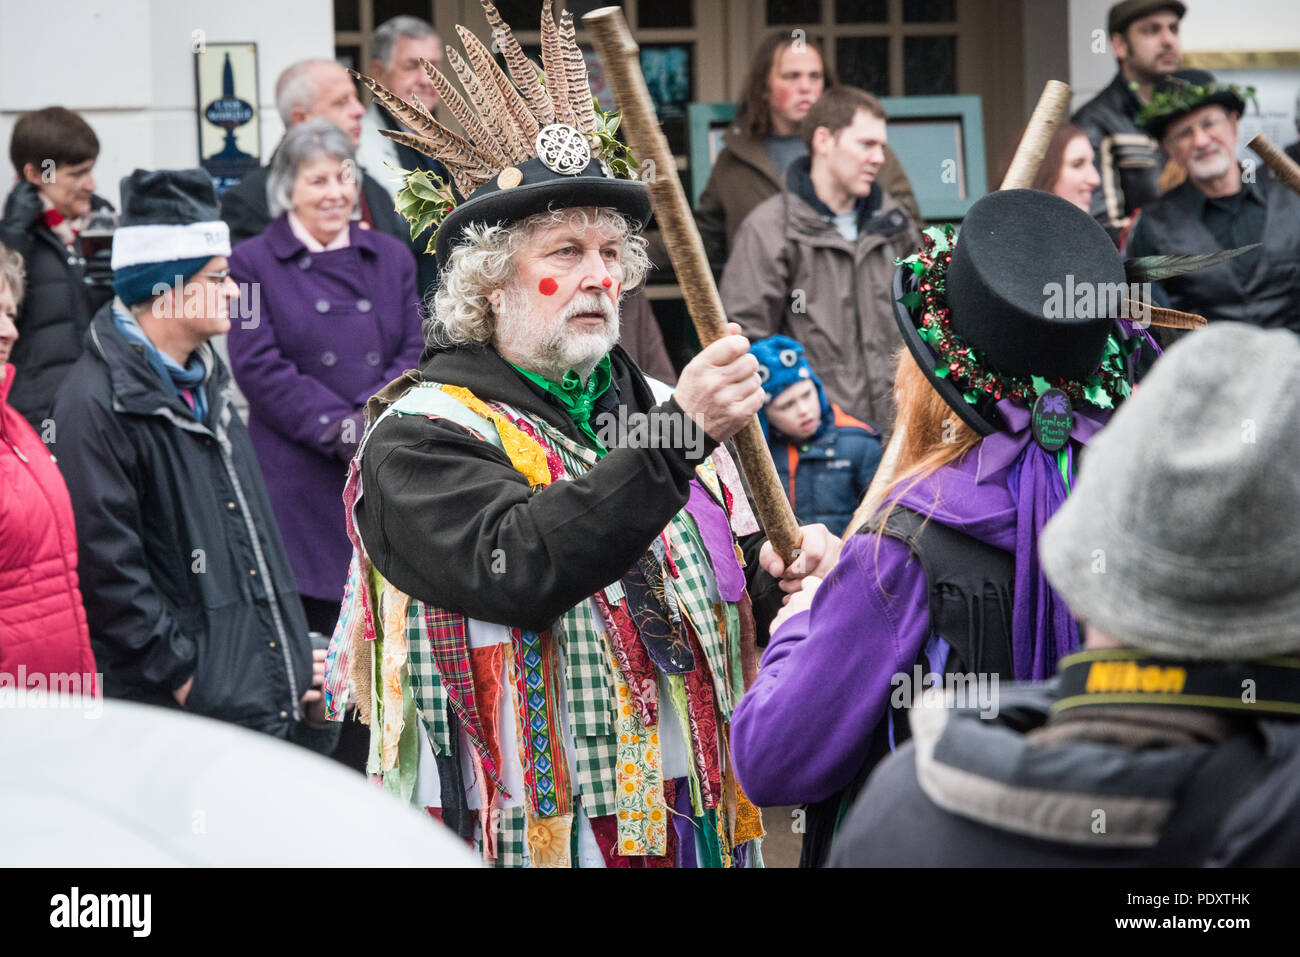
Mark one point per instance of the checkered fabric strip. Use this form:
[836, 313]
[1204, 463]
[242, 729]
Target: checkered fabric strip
[449, 645]
[426, 683]
[512, 828]
[694, 589]
[586, 673]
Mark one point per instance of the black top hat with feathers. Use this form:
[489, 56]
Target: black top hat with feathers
[540, 142]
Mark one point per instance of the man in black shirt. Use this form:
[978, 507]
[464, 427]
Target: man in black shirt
[1219, 207]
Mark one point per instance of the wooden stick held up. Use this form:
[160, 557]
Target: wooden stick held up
[1284, 167]
[1053, 103]
[618, 51]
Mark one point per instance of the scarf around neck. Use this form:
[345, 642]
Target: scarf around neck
[187, 381]
[574, 397]
[1003, 492]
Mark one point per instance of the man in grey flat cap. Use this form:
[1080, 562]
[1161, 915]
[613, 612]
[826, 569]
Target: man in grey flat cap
[1173, 739]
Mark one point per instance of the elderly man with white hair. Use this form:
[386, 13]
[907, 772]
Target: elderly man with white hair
[550, 617]
[304, 91]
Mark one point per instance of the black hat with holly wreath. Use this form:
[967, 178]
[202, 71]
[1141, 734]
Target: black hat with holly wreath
[1032, 299]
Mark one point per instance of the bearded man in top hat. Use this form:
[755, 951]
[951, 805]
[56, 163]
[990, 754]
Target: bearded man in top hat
[1219, 208]
[549, 618]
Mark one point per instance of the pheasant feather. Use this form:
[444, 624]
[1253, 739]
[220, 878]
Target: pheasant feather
[486, 67]
[490, 107]
[465, 116]
[415, 119]
[521, 68]
[575, 69]
[557, 80]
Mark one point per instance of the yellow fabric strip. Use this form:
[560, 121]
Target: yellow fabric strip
[526, 455]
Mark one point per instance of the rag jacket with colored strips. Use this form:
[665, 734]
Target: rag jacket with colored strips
[501, 655]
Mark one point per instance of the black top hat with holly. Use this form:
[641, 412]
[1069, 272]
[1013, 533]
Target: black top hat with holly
[1032, 299]
[1184, 91]
[540, 142]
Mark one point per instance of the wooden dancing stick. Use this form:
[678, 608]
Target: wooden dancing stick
[1284, 167]
[1053, 103]
[619, 52]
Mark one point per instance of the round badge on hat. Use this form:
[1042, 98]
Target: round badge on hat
[562, 149]
[1052, 419]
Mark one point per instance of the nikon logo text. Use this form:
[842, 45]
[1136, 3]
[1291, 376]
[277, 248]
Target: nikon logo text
[1112, 677]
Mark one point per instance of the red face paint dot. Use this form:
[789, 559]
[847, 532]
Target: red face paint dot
[548, 286]
[607, 282]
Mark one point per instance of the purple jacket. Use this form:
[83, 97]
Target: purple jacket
[801, 731]
[324, 332]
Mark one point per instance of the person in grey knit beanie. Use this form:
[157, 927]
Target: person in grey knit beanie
[1183, 535]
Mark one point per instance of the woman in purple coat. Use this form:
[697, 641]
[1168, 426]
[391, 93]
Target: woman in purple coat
[1002, 384]
[329, 315]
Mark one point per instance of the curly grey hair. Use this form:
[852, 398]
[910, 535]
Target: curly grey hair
[304, 142]
[484, 261]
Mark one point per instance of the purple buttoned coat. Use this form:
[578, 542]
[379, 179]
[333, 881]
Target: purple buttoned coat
[317, 334]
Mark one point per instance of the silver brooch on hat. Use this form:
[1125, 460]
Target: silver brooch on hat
[562, 149]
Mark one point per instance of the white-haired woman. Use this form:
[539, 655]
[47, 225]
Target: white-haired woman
[329, 315]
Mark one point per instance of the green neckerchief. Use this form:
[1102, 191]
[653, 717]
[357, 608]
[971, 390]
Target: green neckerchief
[576, 398]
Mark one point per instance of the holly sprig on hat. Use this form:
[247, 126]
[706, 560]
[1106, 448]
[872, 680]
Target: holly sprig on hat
[1179, 96]
[608, 148]
[424, 201]
[966, 365]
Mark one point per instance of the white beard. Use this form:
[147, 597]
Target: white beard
[1212, 167]
[552, 350]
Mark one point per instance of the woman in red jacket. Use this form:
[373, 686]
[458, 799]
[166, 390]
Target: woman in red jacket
[44, 642]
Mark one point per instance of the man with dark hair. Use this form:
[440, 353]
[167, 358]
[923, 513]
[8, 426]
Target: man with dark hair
[53, 151]
[786, 77]
[1196, 121]
[815, 261]
[1144, 39]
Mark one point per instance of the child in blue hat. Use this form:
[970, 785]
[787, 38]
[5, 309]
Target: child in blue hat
[824, 457]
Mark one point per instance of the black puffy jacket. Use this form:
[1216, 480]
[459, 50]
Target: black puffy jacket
[1128, 161]
[56, 308]
[182, 566]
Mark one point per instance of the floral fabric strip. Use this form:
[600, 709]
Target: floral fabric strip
[642, 813]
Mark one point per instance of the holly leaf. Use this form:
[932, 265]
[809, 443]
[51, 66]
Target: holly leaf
[1094, 392]
[941, 371]
[912, 300]
[1040, 384]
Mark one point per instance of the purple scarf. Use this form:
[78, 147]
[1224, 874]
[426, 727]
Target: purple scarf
[1003, 492]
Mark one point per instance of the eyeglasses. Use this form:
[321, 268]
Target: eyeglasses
[1209, 126]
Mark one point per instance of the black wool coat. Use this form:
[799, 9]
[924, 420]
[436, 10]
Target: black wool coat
[182, 568]
[57, 305]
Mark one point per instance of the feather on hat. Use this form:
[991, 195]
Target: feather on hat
[531, 142]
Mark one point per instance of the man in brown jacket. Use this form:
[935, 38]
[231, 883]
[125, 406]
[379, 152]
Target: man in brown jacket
[815, 261]
[785, 79]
